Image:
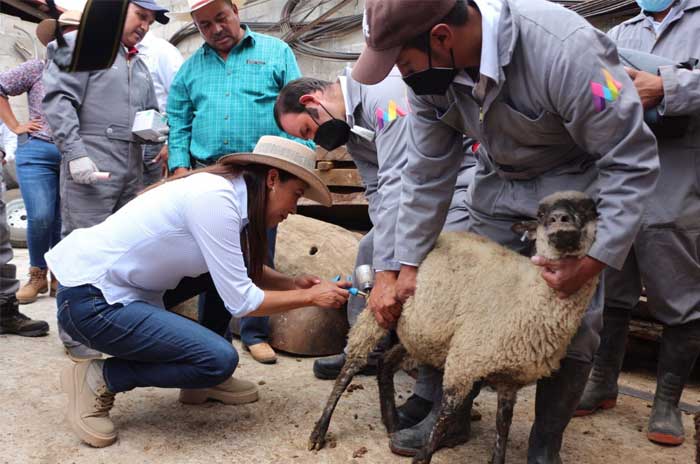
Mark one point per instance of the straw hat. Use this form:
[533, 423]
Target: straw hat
[194, 5]
[45, 31]
[290, 156]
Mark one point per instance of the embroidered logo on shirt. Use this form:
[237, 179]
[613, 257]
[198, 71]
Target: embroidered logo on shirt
[255, 62]
[609, 91]
[392, 112]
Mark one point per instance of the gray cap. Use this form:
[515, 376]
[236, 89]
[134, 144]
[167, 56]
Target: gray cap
[387, 26]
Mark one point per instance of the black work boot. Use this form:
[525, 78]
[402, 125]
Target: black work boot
[414, 410]
[556, 400]
[328, 368]
[601, 388]
[14, 322]
[680, 347]
[408, 442]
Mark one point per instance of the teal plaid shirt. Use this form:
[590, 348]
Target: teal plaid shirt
[216, 107]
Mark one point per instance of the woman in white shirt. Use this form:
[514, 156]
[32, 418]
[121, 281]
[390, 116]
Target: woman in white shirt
[201, 230]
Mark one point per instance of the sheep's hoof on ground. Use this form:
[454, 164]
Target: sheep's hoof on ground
[317, 440]
[422, 458]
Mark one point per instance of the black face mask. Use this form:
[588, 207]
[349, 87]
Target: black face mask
[331, 134]
[432, 81]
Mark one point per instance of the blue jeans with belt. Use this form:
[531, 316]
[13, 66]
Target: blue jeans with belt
[38, 167]
[151, 347]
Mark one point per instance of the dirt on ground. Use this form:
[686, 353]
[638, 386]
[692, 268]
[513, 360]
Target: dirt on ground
[155, 428]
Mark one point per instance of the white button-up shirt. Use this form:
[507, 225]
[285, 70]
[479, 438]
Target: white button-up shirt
[163, 60]
[182, 228]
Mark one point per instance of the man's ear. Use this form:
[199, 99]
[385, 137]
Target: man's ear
[441, 36]
[308, 99]
[525, 229]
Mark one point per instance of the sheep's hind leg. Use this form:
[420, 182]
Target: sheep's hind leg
[318, 437]
[387, 367]
[451, 407]
[507, 396]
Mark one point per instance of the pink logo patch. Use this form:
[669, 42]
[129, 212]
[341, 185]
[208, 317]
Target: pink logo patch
[608, 92]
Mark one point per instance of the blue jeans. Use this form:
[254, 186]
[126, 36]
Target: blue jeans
[38, 166]
[213, 312]
[151, 347]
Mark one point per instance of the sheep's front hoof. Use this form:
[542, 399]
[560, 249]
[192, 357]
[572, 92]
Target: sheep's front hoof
[317, 440]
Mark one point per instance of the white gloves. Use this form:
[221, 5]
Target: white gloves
[84, 171]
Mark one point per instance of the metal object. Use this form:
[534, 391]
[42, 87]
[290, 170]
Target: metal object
[646, 396]
[364, 278]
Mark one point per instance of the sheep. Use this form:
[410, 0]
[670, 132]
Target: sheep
[480, 312]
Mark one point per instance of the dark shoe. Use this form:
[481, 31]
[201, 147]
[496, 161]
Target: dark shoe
[414, 410]
[680, 347]
[328, 368]
[14, 322]
[408, 442]
[601, 388]
[556, 400]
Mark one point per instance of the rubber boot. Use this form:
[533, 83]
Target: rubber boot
[14, 322]
[601, 388]
[37, 284]
[680, 347]
[408, 442]
[556, 400]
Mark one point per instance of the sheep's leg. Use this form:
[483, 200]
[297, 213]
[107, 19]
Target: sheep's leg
[450, 408]
[387, 367]
[507, 396]
[318, 436]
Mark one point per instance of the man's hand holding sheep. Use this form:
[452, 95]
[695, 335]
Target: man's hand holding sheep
[567, 275]
[383, 300]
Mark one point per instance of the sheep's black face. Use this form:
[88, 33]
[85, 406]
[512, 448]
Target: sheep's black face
[566, 220]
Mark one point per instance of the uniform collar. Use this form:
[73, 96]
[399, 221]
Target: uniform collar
[351, 95]
[678, 10]
[490, 67]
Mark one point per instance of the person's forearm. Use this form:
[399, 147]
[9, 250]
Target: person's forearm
[274, 280]
[280, 301]
[7, 115]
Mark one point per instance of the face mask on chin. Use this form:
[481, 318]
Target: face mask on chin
[654, 6]
[432, 81]
[331, 134]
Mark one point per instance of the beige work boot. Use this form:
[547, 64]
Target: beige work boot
[232, 391]
[89, 403]
[262, 353]
[38, 283]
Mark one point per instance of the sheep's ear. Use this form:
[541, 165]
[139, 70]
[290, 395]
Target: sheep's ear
[526, 229]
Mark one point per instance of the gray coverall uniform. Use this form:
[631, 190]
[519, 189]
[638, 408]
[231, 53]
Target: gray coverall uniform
[544, 132]
[91, 114]
[380, 162]
[666, 252]
[8, 272]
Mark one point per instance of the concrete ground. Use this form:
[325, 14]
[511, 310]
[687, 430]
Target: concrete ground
[155, 428]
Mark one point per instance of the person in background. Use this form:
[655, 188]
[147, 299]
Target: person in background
[11, 320]
[665, 255]
[163, 60]
[200, 230]
[221, 102]
[8, 141]
[90, 115]
[37, 161]
[475, 68]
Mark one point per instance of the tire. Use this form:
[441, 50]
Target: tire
[16, 215]
[9, 172]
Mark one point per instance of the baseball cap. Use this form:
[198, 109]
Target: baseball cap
[154, 7]
[387, 26]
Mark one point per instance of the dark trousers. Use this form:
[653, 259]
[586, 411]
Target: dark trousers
[213, 313]
[151, 347]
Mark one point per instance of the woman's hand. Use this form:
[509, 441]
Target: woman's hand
[32, 126]
[306, 281]
[329, 294]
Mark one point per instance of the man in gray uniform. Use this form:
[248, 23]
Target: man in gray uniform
[371, 121]
[665, 252]
[11, 320]
[545, 94]
[91, 115]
